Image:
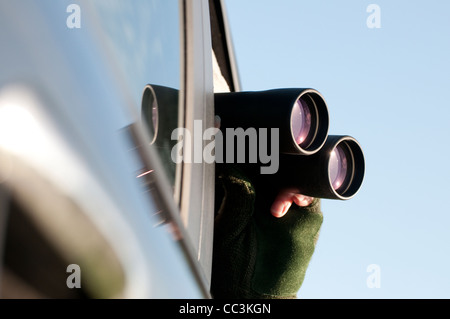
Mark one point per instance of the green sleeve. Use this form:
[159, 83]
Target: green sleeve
[255, 254]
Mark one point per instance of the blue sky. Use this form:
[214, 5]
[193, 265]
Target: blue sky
[389, 88]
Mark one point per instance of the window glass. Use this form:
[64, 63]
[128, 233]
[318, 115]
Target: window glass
[144, 37]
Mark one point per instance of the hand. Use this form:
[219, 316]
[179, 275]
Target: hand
[284, 200]
[257, 255]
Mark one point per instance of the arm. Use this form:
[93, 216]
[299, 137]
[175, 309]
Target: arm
[262, 243]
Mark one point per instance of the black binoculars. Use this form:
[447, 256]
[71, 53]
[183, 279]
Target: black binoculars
[318, 164]
[295, 121]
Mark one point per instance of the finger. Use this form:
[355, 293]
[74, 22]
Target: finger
[280, 207]
[302, 200]
[283, 202]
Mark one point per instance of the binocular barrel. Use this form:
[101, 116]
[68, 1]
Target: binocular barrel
[301, 115]
[335, 172]
[159, 111]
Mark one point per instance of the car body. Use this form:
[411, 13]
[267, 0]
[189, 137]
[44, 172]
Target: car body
[88, 207]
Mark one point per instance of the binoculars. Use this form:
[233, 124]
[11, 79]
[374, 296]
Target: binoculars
[315, 163]
[297, 120]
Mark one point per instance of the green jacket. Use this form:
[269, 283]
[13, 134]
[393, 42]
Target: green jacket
[255, 254]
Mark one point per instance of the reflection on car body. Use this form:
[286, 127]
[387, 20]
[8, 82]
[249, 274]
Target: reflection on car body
[79, 182]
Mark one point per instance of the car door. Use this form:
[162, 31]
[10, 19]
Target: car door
[89, 207]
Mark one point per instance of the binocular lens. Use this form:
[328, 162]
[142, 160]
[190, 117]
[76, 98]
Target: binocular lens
[309, 122]
[346, 167]
[338, 167]
[301, 121]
